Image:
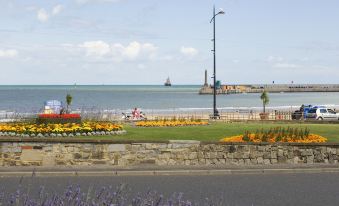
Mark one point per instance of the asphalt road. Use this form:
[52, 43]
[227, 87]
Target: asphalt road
[244, 189]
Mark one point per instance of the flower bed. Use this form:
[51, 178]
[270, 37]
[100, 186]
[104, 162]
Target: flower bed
[170, 123]
[277, 134]
[58, 118]
[65, 116]
[68, 129]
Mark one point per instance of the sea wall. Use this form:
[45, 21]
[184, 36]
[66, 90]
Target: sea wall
[85, 152]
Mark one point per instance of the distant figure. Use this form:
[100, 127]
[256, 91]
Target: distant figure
[251, 114]
[217, 115]
[62, 111]
[136, 113]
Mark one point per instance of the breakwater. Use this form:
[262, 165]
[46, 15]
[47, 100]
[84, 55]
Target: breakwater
[272, 88]
[82, 152]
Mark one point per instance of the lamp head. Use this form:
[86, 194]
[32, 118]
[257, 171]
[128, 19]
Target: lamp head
[221, 11]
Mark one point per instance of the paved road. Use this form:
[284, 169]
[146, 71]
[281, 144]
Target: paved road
[245, 189]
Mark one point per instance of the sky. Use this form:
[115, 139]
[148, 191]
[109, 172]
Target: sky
[118, 42]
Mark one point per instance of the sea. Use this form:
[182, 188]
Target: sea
[149, 98]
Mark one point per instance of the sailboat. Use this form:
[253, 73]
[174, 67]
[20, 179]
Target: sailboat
[168, 82]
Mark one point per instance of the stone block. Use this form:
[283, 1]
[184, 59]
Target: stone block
[26, 147]
[184, 142]
[97, 155]
[195, 162]
[274, 161]
[161, 162]
[77, 156]
[193, 155]
[241, 162]
[99, 162]
[296, 160]
[48, 149]
[253, 154]
[332, 150]
[267, 161]
[48, 160]
[290, 154]
[60, 162]
[85, 155]
[31, 155]
[280, 153]
[70, 149]
[116, 148]
[310, 159]
[331, 158]
[16, 149]
[238, 155]
[282, 159]
[6, 150]
[171, 162]
[137, 147]
[307, 152]
[246, 155]
[267, 155]
[201, 161]
[274, 155]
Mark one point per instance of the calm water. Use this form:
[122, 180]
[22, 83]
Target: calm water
[185, 98]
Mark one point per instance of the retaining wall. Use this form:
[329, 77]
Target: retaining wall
[52, 152]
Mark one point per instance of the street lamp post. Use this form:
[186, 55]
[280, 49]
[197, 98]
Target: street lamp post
[215, 112]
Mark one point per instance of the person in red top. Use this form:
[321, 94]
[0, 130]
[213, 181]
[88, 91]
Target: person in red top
[136, 113]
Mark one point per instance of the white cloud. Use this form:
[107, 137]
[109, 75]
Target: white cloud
[286, 66]
[9, 53]
[42, 15]
[96, 1]
[189, 51]
[57, 9]
[96, 48]
[119, 52]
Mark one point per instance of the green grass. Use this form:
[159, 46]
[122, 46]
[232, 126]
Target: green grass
[216, 131]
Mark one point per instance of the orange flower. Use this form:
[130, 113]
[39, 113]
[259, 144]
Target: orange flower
[311, 138]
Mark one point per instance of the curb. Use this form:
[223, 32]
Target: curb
[166, 172]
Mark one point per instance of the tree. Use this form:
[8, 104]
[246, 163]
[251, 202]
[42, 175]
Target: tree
[265, 100]
[69, 99]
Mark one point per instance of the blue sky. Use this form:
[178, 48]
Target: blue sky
[145, 41]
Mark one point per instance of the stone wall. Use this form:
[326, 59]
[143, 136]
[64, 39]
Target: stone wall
[77, 152]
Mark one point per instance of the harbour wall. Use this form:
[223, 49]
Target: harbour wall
[80, 152]
[273, 88]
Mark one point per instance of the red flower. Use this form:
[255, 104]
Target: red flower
[63, 116]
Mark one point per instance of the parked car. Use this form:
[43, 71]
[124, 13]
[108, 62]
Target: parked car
[322, 113]
[302, 112]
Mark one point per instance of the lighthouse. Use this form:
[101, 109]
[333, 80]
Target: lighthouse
[206, 83]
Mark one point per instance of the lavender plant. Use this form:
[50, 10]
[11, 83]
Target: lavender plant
[73, 195]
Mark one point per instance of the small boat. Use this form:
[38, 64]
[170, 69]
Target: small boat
[168, 82]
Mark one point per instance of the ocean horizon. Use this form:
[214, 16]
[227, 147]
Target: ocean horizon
[31, 98]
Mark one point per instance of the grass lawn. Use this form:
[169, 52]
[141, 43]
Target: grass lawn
[216, 131]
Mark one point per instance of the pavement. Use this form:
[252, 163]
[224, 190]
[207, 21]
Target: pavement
[278, 185]
[236, 189]
[151, 170]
